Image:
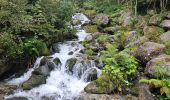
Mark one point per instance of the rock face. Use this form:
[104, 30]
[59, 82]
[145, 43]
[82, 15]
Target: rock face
[70, 64]
[91, 75]
[165, 24]
[34, 81]
[149, 50]
[102, 85]
[155, 19]
[101, 19]
[165, 36]
[87, 96]
[159, 64]
[144, 93]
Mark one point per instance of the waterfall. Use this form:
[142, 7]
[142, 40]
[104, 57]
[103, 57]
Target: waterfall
[61, 84]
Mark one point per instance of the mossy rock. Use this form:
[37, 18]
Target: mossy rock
[156, 19]
[90, 13]
[91, 28]
[153, 32]
[34, 81]
[102, 85]
[159, 66]
[70, 64]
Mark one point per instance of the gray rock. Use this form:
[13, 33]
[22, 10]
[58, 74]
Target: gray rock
[132, 36]
[52, 65]
[149, 50]
[34, 81]
[165, 24]
[165, 37]
[71, 53]
[55, 48]
[144, 93]
[70, 64]
[126, 17]
[111, 30]
[160, 64]
[42, 70]
[101, 19]
[89, 38]
[57, 61]
[90, 75]
[168, 15]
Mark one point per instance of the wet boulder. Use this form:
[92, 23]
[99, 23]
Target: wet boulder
[101, 19]
[70, 64]
[165, 37]
[57, 61]
[149, 50]
[102, 85]
[42, 70]
[157, 65]
[55, 48]
[89, 38]
[34, 81]
[165, 24]
[90, 75]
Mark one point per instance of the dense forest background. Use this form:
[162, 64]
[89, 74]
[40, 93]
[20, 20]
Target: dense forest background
[28, 28]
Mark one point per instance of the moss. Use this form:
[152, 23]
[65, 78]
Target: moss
[159, 62]
[89, 52]
[91, 28]
[153, 33]
[34, 81]
[89, 12]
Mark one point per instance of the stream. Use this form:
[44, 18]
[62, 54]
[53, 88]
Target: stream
[60, 84]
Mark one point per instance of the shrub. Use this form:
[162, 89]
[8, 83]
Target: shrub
[11, 48]
[35, 47]
[119, 66]
[167, 44]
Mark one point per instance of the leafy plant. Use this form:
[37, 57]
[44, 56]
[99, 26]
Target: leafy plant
[119, 66]
[34, 48]
[167, 44]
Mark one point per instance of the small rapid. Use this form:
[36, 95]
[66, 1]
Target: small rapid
[61, 84]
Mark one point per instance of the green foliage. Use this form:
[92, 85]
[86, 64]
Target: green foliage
[35, 48]
[119, 66]
[163, 84]
[89, 52]
[103, 38]
[10, 48]
[167, 44]
[91, 28]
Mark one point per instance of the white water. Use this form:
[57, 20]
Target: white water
[60, 85]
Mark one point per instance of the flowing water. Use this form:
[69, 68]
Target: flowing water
[61, 85]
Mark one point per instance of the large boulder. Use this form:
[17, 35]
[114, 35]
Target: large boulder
[42, 70]
[144, 93]
[126, 17]
[130, 37]
[90, 75]
[70, 64]
[102, 85]
[152, 32]
[55, 48]
[111, 30]
[160, 64]
[155, 19]
[101, 19]
[88, 96]
[57, 61]
[165, 24]
[149, 50]
[165, 37]
[34, 81]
